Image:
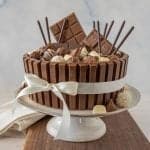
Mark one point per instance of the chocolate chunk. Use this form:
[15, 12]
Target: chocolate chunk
[111, 106]
[92, 42]
[73, 32]
[106, 47]
[49, 54]
[92, 39]
[35, 54]
[90, 59]
[75, 52]
[73, 60]
[62, 51]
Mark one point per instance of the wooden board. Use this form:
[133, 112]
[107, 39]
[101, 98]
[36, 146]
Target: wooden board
[122, 134]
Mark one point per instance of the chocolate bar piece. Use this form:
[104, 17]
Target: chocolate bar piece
[92, 42]
[92, 39]
[73, 33]
[106, 47]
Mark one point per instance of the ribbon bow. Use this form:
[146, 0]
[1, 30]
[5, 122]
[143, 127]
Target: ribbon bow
[35, 84]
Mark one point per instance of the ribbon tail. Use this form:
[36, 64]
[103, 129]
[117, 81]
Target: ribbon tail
[65, 124]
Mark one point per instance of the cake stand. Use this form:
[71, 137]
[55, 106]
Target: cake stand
[84, 125]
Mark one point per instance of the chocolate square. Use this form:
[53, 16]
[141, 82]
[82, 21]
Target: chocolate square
[92, 42]
[92, 39]
[73, 32]
[106, 47]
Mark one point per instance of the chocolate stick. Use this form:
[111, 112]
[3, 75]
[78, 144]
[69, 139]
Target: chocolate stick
[123, 40]
[105, 29]
[47, 27]
[99, 37]
[117, 37]
[62, 30]
[93, 24]
[109, 29]
[43, 36]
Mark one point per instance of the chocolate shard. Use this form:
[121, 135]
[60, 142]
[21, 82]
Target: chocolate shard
[73, 32]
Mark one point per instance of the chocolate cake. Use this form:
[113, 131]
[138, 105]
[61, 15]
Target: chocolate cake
[77, 57]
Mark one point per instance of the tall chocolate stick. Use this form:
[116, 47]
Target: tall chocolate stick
[117, 37]
[109, 29]
[47, 27]
[99, 37]
[62, 30]
[93, 24]
[43, 36]
[105, 29]
[123, 40]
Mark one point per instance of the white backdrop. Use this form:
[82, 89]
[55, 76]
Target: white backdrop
[19, 32]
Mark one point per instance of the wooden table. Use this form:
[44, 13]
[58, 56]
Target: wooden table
[122, 134]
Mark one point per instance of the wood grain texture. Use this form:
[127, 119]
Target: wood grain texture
[122, 134]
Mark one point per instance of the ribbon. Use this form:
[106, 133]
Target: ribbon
[35, 84]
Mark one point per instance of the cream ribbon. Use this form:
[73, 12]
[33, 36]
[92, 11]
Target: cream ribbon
[35, 84]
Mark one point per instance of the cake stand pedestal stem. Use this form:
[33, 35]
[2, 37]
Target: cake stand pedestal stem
[82, 129]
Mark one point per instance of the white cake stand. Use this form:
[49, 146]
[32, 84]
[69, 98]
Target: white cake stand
[84, 126]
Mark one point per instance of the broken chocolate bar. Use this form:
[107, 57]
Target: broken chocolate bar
[92, 42]
[73, 33]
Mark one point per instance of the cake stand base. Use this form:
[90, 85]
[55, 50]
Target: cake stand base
[82, 129]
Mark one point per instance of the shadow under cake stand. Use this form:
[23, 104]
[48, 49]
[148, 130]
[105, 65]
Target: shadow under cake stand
[84, 125]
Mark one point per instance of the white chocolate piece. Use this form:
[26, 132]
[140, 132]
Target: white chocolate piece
[103, 59]
[124, 99]
[84, 52]
[99, 109]
[67, 57]
[57, 59]
[94, 53]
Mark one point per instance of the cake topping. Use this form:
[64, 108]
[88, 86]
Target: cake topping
[74, 46]
[94, 53]
[117, 37]
[103, 59]
[99, 109]
[67, 57]
[62, 51]
[111, 106]
[105, 29]
[109, 29]
[35, 54]
[73, 60]
[49, 54]
[76, 52]
[124, 98]
[84, 52]
[57, 59]
[73, 33]
[90, 59]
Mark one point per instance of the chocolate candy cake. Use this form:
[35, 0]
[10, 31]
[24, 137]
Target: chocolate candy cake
[77, 57]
